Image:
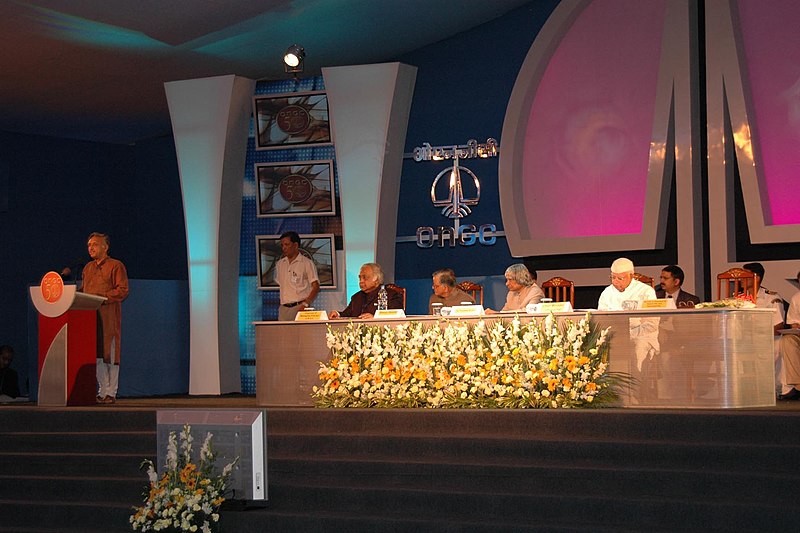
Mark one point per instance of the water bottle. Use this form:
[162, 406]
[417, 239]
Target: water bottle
[383, 299]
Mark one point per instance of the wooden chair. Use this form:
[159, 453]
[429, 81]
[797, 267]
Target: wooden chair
[473, 289]
[737, 281]
[560, 290]
[398, 289]
[644, 279]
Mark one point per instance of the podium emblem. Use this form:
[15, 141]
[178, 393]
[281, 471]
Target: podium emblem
[52, 287]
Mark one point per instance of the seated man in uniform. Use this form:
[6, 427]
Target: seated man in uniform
[672, 287]
[364, 303]
[768, 299]
[445, 291]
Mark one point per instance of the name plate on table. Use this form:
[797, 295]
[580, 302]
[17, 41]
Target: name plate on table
[311, 314]
[390, 313]
[466, 310]
[660, 303]
[549, 307]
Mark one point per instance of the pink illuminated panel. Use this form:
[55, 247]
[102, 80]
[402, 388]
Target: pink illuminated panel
[588, 139]
[771, 43]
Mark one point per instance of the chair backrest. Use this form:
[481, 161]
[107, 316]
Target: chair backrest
[644, 279]
[398, 289]
[737, 281]
[473, 289]
[560, 290]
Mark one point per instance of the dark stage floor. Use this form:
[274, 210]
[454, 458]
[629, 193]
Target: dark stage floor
[247, 401]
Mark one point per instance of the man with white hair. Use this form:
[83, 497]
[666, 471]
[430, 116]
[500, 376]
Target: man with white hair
[623, 287]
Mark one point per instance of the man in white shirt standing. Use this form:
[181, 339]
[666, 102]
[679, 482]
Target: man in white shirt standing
[297, 277]
[623, 288]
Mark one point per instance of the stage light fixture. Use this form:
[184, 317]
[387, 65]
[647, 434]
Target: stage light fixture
[293, 58]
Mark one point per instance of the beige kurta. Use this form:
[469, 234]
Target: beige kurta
[110, 279]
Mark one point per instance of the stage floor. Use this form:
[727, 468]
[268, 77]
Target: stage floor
[236, 401]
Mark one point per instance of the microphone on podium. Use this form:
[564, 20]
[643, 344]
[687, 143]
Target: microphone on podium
[73, 270]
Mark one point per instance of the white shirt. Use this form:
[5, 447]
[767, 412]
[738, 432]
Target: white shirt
[774, 301]
[295, 278]
[793, 315]
[611, 299]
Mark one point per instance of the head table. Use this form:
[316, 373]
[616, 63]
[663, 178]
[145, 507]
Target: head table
[685, 358]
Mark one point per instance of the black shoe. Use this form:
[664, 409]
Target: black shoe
[793, 394]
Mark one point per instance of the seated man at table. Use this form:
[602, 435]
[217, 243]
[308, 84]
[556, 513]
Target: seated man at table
[643, 332]
[522, 289]
[790, 352]
[445, 291]
[623, 288]
[672, 277]
[364, 303]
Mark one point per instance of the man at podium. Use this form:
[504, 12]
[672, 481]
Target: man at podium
[106, 277]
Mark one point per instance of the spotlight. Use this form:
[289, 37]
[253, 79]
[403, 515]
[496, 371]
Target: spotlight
[293, 58]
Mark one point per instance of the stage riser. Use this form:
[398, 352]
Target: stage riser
[87, 419]
[553, 511]
[117, 465]
[100, 490]
[723, 427]
[79, 513]
[534, 481]
[81, 442]
[611, 454]
[415, 470]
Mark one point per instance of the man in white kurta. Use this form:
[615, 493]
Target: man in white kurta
[643, 331]
[623, 288]
[790, 352]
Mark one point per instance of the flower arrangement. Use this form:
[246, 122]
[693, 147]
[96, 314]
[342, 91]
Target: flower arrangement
[537, 364]
[188, 496]
[740, 301]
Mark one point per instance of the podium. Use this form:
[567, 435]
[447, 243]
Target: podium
[68, 342]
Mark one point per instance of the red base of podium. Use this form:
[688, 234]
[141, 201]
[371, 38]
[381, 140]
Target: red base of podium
[67, 358]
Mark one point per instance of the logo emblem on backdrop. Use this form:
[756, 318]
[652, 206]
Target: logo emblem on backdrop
[455, 195]
[455, 205]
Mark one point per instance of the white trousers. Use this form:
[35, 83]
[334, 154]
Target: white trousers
[108, 375]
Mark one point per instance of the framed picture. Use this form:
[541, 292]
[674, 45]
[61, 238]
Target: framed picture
[291, 120]
[303, 188]
[319, 247]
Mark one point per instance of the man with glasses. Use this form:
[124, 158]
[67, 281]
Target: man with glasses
[445, 291]
[625, 292]
[672, 277]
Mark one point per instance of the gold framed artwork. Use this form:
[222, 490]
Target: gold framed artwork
[301, 188]
[291, 120]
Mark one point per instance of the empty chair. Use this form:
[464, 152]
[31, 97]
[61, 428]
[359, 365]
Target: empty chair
[398, 289]
[473, 289]
[647, 280]
[737, 281]
[559, 290]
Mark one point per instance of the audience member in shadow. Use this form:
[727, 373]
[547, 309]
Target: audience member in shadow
[9, 381]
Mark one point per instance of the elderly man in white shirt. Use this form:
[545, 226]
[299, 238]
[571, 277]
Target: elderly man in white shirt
[643, 331]
[623, 287]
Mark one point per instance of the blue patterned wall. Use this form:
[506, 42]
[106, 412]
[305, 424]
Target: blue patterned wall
[254, 304]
